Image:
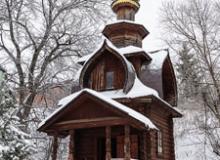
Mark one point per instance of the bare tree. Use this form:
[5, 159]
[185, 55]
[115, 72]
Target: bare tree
[37, 35]
[197, 24]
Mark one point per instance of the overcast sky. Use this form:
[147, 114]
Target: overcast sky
[149, 15]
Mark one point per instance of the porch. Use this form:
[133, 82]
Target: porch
[99, 128]
[104, 143]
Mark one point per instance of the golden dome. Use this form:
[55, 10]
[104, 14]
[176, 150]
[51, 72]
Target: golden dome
[132, 3]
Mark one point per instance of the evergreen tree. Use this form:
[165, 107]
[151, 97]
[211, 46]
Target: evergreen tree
[188, 73]
[14, 143]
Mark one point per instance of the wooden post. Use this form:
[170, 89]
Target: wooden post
[72, 145]
[108, 155]
[55, 147]
[143, 145]
[127, 143]
[149, 139]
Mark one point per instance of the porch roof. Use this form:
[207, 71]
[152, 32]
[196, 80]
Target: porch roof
[64, 103]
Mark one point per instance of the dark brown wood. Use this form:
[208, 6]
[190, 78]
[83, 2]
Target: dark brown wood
[123, 34]
[96, 75]
[108, 143]
[162, 120]
[169, 83]
[143, 145]
[55, 147]
[91, 124]
[127, 143]
[72, 145]
[172, 153]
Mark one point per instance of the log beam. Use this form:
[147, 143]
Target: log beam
[127, 143]
[108, 155]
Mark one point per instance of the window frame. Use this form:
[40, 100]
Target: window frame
[159, 141]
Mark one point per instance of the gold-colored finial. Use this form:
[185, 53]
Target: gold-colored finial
[122, 3]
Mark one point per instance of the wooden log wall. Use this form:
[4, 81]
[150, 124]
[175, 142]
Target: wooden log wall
[164, 123]
[161, 118]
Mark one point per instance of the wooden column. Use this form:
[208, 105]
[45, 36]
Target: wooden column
[55, 147]
[108, 155]
[72, 145]
[127, 143]
[150, 147]
[143, 145]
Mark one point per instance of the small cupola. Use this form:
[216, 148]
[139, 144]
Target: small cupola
[125, 9]
[125, 32]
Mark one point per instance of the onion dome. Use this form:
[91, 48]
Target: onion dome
[125, 3]
[125, 9]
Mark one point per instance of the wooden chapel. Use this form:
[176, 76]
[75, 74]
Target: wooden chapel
[127, 99]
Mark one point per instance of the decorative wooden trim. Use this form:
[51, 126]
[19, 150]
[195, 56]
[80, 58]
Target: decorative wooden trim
[108, 155]
[55, 147]
[127, 143]
[87, 120]
[72, 145]
[90, 124]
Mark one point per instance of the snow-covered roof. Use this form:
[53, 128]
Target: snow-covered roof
[158, 58]
[138, 90]
[134, 114]
[123, 51]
